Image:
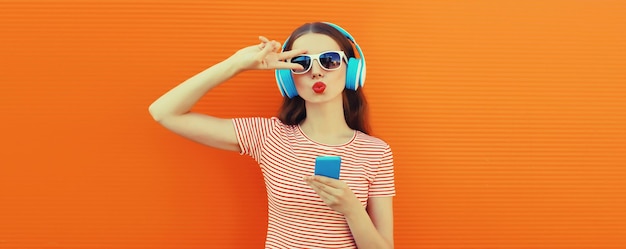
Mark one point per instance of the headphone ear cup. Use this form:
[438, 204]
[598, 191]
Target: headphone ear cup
[285, 83]
[279, 82]
[352, 73]
[361, 72]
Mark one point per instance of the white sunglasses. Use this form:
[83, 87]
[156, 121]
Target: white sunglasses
[329, 61]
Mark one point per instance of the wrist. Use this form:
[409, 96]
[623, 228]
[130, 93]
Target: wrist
[355, 213]
[232, 66]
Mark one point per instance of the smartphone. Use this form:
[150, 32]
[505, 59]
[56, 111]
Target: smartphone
[328, 166]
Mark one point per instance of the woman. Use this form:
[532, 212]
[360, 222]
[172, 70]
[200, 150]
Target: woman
[319, 117]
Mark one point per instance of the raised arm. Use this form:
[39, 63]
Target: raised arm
[172, 110]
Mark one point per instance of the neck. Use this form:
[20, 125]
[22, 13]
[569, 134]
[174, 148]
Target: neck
[325, 119]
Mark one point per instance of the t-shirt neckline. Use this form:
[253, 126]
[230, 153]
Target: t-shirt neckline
[354, 134]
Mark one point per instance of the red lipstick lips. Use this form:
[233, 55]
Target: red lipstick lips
[319, 87]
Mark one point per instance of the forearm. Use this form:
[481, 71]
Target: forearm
[183, 97]
[364, 231]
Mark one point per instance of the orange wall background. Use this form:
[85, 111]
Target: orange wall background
[507, 120]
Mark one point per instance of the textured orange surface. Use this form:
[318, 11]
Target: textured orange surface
[507, 119]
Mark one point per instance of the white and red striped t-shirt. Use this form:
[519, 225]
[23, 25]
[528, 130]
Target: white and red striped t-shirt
[298, 218]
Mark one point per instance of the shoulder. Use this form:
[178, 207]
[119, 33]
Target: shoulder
[371, 141]
[368, 146]
[259, 126]
[271, 125]
[275, 121]
[260, 121]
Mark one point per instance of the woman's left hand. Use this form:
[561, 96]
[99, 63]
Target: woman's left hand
[335, 193]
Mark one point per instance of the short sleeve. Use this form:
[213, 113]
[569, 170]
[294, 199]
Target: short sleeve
[252, 133]
[383, 184]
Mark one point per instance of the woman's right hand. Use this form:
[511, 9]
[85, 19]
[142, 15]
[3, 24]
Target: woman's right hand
[266, 55]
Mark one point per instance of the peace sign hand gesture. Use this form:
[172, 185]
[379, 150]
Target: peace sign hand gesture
[266, 55]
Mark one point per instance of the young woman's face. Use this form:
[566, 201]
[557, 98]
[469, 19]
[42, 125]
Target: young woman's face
[318, 84]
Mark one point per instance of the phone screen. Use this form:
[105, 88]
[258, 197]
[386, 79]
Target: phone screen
[328, 166]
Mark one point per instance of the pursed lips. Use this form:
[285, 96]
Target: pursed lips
[319, 87]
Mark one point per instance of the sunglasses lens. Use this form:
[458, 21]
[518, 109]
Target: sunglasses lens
[330, 60]
[304, 61]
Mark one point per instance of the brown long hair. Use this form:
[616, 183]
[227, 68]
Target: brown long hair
[355, 110]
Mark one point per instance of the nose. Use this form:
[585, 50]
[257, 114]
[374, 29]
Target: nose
[316, 69]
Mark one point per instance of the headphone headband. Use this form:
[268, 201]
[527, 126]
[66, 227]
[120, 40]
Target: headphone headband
[343, 31]
[347, 35]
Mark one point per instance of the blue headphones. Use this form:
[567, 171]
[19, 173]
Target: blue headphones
[355, 73]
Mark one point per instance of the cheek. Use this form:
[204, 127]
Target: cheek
[298, 80]
[334, 78]
[338, 78]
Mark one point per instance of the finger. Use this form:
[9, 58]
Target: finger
[329, 181]
[276, 44]
[327, 198]
[263, 39]
[324, 188]
[315, 188]
[291, 54]
[288, 65]
[318, 186]
[266, 50]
